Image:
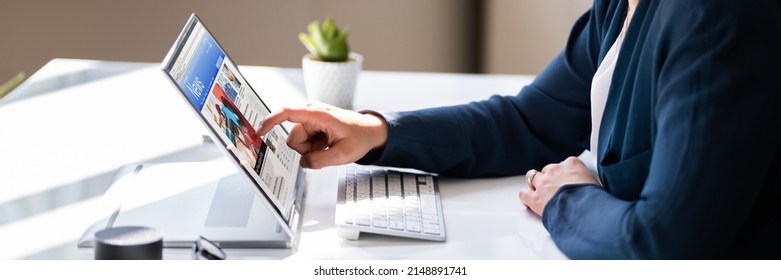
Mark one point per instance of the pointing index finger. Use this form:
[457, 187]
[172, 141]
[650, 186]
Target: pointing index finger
[271, 120]
[296, 115]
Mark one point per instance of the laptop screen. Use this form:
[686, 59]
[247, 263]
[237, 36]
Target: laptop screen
[232, 110]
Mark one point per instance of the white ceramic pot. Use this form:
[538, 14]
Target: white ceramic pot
[332, 82]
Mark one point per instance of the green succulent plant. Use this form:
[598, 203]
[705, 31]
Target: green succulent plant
[326, 41]
[8, 86]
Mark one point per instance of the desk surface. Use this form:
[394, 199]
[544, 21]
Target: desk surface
[71, 125]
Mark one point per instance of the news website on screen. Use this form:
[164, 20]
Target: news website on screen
[213, 85]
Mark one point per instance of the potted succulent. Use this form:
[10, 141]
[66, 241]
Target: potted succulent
[330, 69]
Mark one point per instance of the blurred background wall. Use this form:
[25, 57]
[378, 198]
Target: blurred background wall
[466, 36]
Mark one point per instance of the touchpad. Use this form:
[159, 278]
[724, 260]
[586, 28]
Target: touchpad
[231, 204]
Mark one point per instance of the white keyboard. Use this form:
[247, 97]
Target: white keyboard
[390, 202]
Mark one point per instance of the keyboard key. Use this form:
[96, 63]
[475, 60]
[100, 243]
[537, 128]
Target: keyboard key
[431, 229]
[395, 201]
[429, 217]
[378, 192]
[410, 185]
[397, 225]
[363, 182]
[394, 187]
[413, 227]
[428, 204]
[421, 179]
[378, 175]
[379, 224]
[362, 222]
[362, 215]
[426, 189]
[430, 221]
[395, 213]
[379, 216]
[394, 178]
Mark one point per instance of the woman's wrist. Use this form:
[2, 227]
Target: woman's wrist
[377, 129]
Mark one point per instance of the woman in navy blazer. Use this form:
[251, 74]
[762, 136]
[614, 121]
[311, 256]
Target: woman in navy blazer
[688, 157]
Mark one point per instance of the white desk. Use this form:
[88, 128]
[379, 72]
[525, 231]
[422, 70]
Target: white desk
[70, 126]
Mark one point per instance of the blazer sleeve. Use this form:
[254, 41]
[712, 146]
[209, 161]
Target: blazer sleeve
[716, 108]
[545, 122]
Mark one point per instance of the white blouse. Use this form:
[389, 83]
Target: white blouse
[600, 85]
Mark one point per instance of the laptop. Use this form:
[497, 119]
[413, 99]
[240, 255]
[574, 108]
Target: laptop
[256, 201]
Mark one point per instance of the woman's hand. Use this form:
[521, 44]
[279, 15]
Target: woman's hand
[326, 135]
[544, 184]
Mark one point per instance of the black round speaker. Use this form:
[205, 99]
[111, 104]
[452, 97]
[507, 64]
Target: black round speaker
[129, 243]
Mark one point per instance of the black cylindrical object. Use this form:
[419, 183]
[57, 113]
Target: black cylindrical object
[129, 243]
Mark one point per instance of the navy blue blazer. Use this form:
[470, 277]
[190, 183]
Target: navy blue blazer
[689, 149]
